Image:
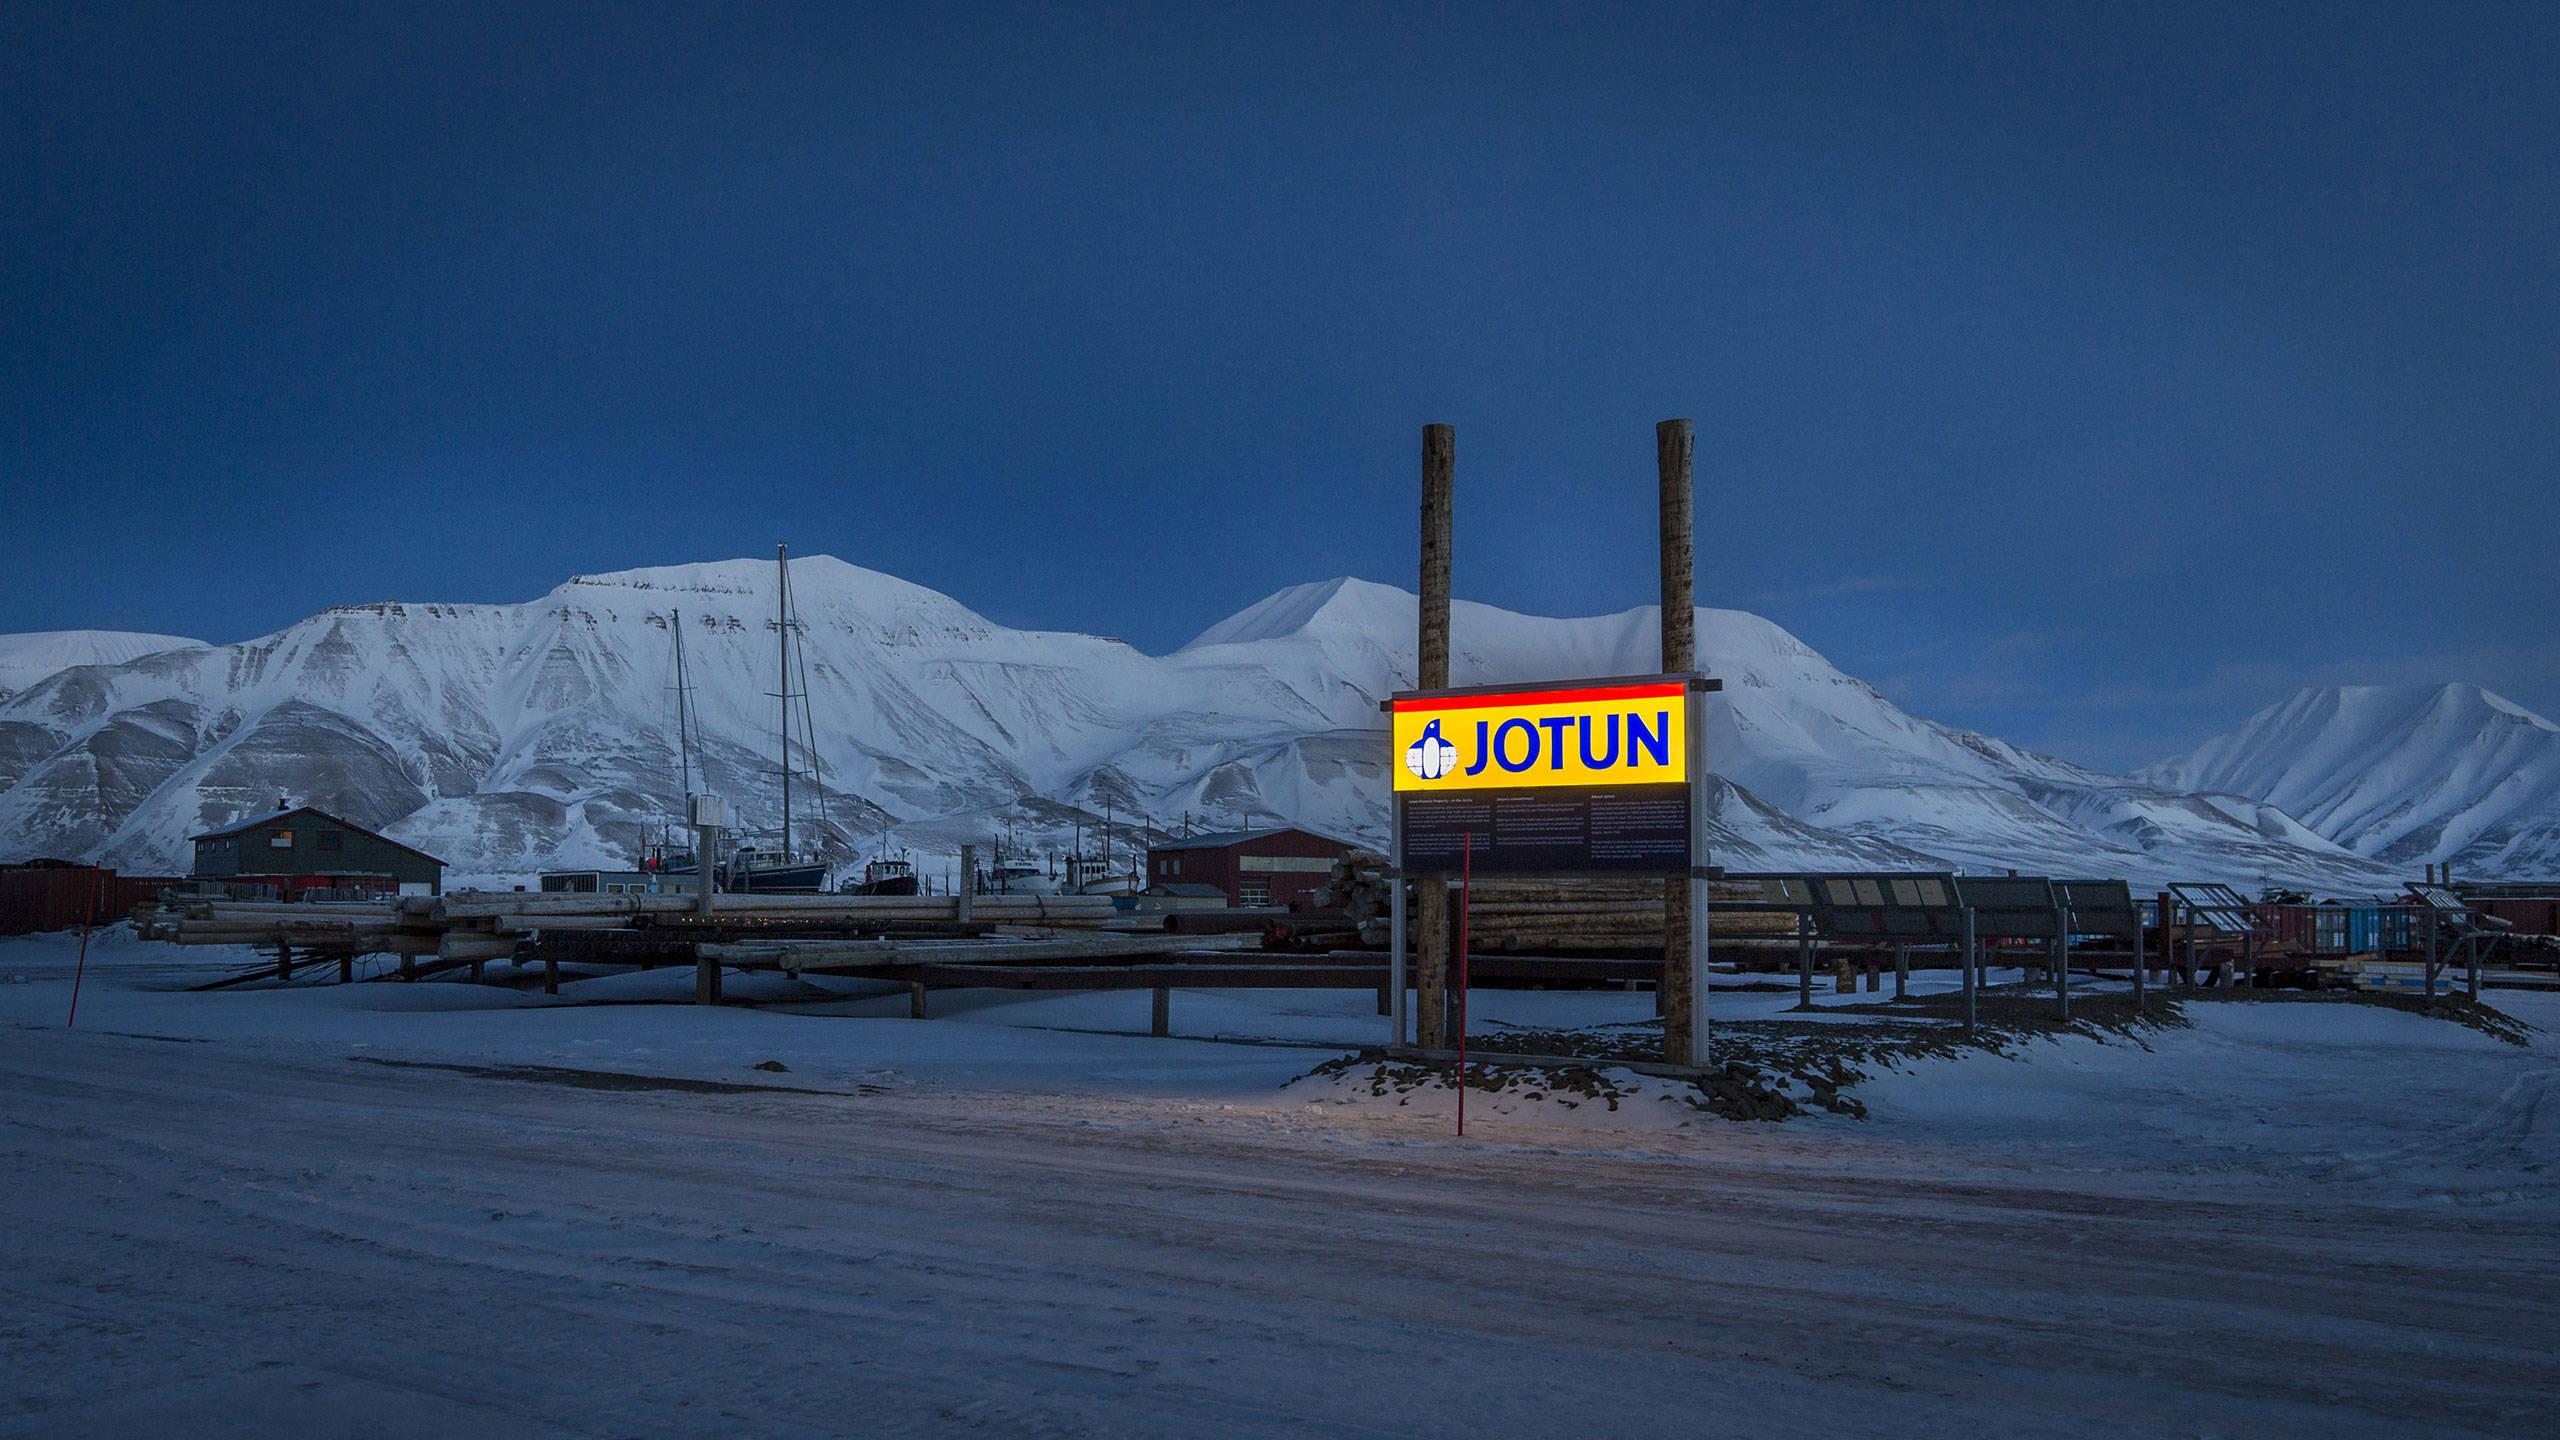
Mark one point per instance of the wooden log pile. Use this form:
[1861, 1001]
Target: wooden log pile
[1532, 915]
[795, 956]
[1520, 916]
[486, 925]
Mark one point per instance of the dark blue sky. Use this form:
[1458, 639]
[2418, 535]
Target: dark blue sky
[2088, 374]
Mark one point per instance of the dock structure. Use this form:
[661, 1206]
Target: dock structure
[428, 934]
[425, 924]
[1853, 929]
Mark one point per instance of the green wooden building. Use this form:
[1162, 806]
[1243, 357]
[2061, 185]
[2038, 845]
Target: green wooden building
[302, 849]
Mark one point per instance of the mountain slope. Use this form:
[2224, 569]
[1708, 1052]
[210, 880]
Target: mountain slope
[2405, 774]
[507, 738]
[1807, 741]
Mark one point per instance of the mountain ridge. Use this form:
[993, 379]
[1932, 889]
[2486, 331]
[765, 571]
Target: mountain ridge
[510, 737]
[2403, 774]
[31, 656]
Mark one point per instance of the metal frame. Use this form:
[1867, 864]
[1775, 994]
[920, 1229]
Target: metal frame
[1698, 682]
[2010, 907]
[2219, 908]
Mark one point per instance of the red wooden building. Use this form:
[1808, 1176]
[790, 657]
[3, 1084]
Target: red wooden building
[1250, 867]
[50, 895]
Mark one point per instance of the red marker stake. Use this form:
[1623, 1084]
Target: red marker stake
[1466, 876]
[95, 881]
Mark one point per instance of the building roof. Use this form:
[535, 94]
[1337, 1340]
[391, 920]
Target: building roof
[254, 822]
[1225, 838]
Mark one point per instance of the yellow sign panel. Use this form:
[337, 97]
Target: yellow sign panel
[1606, 735]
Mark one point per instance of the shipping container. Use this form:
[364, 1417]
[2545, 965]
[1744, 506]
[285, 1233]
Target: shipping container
[36, 898]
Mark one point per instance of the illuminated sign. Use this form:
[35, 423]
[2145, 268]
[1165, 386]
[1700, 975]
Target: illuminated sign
[1584, 738]
[1580, 777]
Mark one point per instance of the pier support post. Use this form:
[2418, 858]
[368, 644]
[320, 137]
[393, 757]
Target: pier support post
[706, 981]
[1161, 1023]
[706, 879]
[917, 1008]
[550, 974]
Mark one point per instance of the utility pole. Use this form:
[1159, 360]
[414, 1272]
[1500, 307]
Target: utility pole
[1431, 672]
[1675, 448]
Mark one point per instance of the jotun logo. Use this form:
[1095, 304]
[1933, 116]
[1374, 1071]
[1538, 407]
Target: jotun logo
[1430, 757]
[1624, 735]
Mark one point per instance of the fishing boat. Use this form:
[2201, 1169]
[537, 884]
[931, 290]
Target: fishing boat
[884, 877]
[771, 869]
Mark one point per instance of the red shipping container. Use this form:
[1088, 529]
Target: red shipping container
[35, 898]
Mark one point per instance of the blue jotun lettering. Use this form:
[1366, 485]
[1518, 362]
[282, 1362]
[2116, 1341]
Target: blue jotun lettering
[1528, 740]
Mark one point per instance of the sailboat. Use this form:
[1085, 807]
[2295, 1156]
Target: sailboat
[773, 865]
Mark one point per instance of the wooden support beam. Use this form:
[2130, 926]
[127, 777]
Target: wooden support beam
[793, 956]
[1430, 918]
[463, 945]
[1675, 444]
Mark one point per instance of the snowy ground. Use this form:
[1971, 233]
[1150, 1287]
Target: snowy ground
[219, 1219]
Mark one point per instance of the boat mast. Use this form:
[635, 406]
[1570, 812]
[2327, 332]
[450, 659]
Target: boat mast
[782, 635]
[684, 735]
[809, 737]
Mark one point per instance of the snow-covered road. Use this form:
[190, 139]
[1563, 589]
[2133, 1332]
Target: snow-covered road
[251, 1235]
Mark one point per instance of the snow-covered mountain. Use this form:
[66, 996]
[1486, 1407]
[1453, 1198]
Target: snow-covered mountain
[507, 738]
[2406, 774]
[26, 659]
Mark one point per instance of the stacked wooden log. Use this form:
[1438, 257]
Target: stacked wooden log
[1513, 916]
[267, 922]
[794, 956]
[1548, 915]
[532, 909]
[1357, 887]
[485, 925]
[1523, 916]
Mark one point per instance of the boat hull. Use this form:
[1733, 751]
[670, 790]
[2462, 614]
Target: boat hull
[782, 880]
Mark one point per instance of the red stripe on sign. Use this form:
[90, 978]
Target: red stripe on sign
[1544, 697]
